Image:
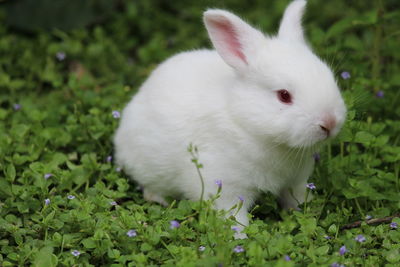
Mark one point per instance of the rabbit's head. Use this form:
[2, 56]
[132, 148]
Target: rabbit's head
[282, 90]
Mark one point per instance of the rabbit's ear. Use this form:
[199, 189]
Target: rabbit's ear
[290, 28]
[233, 38]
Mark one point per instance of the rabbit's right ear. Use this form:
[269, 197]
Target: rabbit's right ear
[290, 28]
[233, 38]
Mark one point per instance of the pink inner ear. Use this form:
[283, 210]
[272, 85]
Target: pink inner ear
[229, 36]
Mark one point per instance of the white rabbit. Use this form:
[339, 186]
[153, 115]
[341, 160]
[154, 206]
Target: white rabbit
[256, 108]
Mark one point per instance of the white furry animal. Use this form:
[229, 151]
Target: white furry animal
[255, 108]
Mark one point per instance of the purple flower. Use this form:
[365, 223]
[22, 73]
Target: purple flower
[131, 233]
[17, 106]
[380, 94]
[368, 217]
[47, 175]
[76, 253]
[335, 264]
[47, 201]
[317, 156]
[238, 249]
[241, 198]
[118, 169]
[393, 225]
[311, 186]
[61, 56]
[327, 237]
[345, 75]
[360, 238]
[109, 158]
[219, 183]
[342, 250]
[113, 203]
[202, 248]
[70, 196]
[287, 258]
[235, 228]
[174, 224]
[116, 114]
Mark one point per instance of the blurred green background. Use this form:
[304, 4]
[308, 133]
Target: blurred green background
[147, 31]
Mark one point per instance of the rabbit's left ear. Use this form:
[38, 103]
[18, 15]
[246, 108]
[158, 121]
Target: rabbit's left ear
[291, 28]
[235, 40]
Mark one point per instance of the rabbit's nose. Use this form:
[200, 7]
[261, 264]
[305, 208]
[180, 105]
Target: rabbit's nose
[328, 123]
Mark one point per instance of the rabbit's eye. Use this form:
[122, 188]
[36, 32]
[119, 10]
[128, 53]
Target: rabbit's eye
[284, 96]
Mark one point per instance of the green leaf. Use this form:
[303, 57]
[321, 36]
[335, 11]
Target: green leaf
[3, 114]
[364, 138]
[10, 172]
[146, 247]
[89, 243]
[13, 256]
[5, 188]
[45, 257]
[393, 256]
[322, 251]
[19, 131]
[308, 225]
[339, 27]
[332, 229]
[113, 253]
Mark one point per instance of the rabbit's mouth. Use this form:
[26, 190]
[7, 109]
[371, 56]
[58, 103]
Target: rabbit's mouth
[328, 124]
[312, 138]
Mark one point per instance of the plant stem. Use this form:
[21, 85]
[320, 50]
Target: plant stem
[359, 207]
[305, 202]
[195, 159]
[202, 185]
[369, 222]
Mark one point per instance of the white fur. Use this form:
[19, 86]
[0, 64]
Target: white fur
[226, 104]
[290, 28]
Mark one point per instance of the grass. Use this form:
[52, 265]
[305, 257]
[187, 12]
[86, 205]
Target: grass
[64, 203]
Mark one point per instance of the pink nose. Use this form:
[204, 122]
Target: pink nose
[328, 123]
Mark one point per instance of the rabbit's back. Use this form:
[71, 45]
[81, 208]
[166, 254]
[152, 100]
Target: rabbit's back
[182, 102]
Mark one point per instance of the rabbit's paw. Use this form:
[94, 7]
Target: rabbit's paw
[153, 197]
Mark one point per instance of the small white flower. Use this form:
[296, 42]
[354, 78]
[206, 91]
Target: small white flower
[76, 253]
[61, 56]
[131, 233]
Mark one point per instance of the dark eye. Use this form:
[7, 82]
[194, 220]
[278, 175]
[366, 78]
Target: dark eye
[284, 96]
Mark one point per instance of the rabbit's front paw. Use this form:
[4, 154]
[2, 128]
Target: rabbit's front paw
[153, 197]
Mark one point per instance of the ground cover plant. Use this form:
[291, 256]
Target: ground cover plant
[63, 201]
